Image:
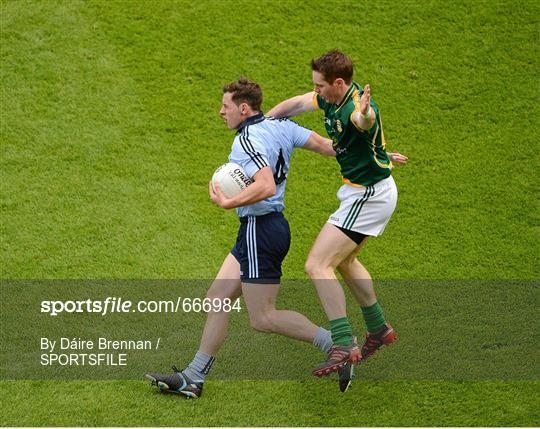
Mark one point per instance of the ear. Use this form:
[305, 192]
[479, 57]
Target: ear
[338, 82]
[243, 107]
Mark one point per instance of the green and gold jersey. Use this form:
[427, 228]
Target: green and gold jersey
[361, 153]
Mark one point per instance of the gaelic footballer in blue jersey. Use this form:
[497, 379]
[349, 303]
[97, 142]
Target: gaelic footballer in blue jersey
[263, 147]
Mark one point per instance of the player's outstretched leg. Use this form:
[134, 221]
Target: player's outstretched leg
[261, 305]
[329, 249]
[379, 332]
[189, 382]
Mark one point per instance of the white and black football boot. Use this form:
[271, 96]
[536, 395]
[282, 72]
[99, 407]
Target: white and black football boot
[345, 376]
[176, 383]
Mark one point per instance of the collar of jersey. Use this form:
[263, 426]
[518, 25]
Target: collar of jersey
[255, 119]
[347, 95]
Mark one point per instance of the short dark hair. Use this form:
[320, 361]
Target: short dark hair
[332, 65]
[245, 91]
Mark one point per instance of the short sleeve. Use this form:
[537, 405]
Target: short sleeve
[319, 102]
[298, 134]
[249, 153]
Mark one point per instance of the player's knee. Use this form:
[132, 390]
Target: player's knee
[224, 288]
[344, 270]
[317, 269]
[345, 266]
[261, 323]
[215, 294]
[311, 268]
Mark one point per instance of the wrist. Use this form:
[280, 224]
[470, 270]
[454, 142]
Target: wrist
[367, 115]
[228, 204]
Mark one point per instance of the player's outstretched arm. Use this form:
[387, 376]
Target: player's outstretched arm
[263, 187]
[293, 106]
[319, 144]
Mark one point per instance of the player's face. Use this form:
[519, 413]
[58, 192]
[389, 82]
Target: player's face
[230, 112]
[326, 90]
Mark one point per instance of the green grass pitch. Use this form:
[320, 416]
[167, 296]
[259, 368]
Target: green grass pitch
[110, 133]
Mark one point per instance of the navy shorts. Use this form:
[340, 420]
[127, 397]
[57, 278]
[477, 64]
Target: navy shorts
[261, 247]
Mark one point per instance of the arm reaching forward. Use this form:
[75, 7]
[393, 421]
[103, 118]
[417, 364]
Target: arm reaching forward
[319, 144]
[294, 106]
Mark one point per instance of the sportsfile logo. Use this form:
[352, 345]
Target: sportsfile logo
[109, 305]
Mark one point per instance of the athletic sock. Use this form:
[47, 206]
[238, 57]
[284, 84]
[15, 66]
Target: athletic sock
[374, 317]
[199, 367]
[323, 340]
[341, 331]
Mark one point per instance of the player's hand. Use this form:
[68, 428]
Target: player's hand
[365, 100]
[218, 197]
[398, 158]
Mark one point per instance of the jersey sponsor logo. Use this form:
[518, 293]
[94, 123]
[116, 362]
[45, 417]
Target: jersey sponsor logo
[239, 177]
[339, 126]
[340, 150]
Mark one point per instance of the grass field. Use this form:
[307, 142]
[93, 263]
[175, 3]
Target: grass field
[110, 133]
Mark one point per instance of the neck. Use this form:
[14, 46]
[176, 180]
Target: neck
[251, 118]
[343, 93]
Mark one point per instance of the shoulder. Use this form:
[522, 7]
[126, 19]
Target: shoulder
[286, 128]
[237, 142]
[320, 102]
[251, 138]
[285, 121]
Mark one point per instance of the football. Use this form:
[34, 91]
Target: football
[232, 179]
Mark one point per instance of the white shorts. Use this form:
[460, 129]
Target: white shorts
[366, 210]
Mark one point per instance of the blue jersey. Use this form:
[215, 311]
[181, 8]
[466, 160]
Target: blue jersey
[266, 141]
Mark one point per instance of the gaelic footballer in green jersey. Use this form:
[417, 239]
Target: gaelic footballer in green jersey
[367, 200]
[369, 194]
[361, 153]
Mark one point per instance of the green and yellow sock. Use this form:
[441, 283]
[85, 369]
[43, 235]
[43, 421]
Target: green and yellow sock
[341, 331]
[374, 317]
